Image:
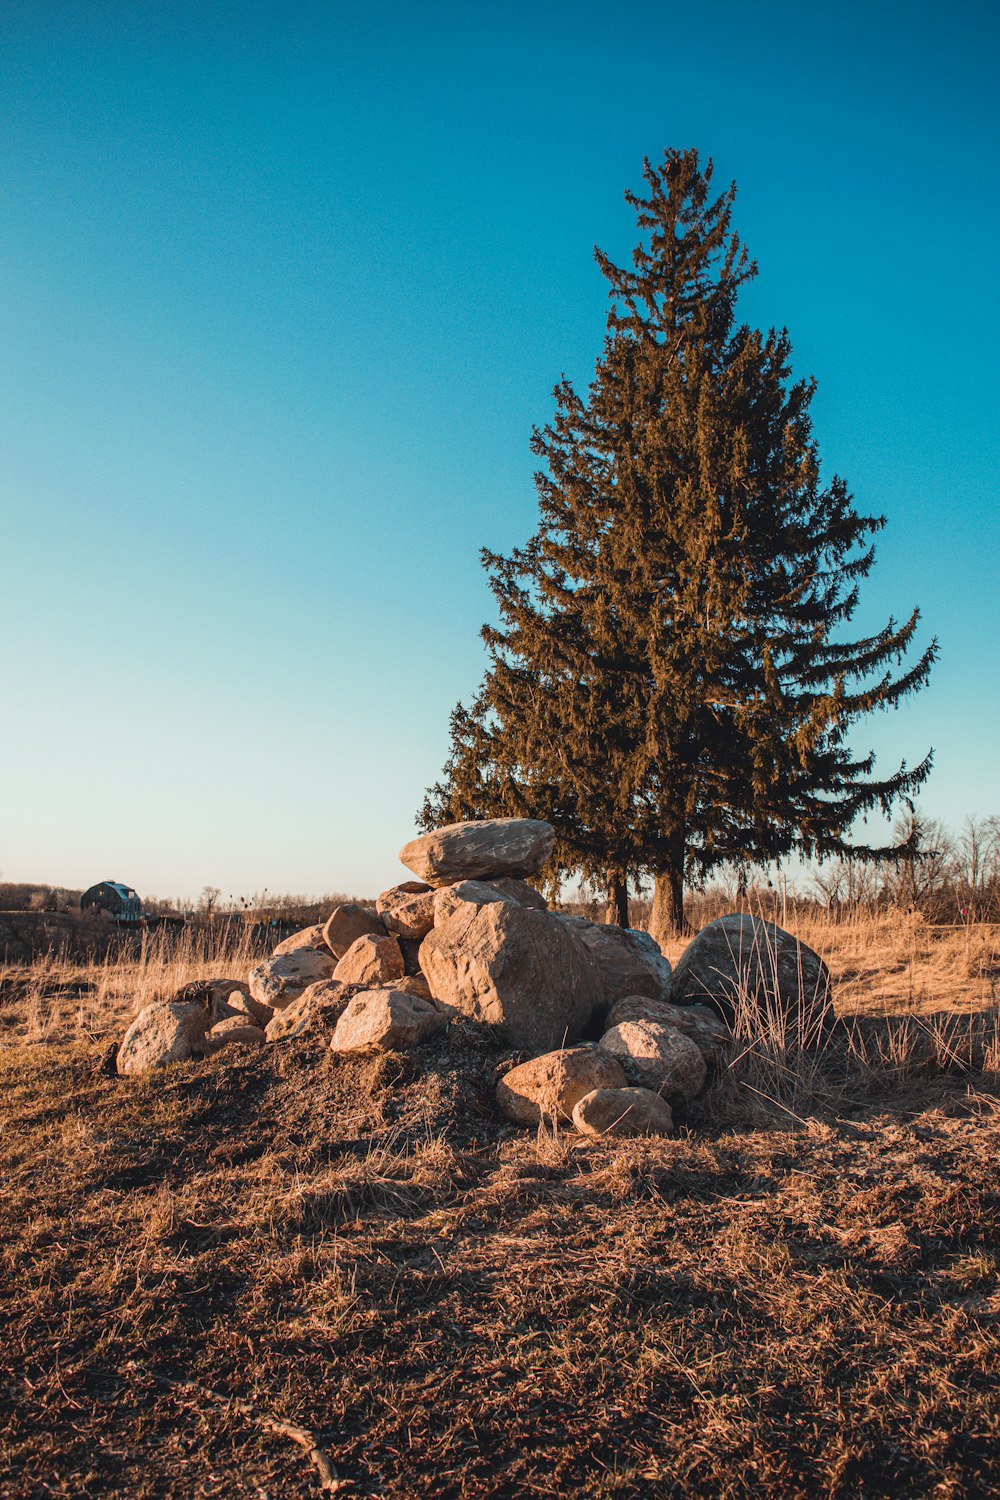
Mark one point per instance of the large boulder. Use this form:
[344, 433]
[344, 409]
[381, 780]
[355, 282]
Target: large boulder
[705, 1027]
[386, 1020]
[278, 981]
[309, 937]
[163, 1033]
[370, 960]
[629, 961]
[658, 1057]
[547, 1087]
[623, 1112]
[407, 911]
[742, 966]
[522, 971]
[319, 1007]
[347, 923]
[480, 850]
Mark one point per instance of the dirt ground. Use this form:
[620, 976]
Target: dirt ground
[803, 1304]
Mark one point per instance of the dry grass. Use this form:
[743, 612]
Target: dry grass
[795, 1296]
[58, 999]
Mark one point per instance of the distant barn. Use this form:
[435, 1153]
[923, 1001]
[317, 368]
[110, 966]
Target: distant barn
[120, 901]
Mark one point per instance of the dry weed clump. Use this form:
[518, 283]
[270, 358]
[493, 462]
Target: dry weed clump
[795, 1295]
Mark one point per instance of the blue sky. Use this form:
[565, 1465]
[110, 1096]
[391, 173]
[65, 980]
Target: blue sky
[284, 290]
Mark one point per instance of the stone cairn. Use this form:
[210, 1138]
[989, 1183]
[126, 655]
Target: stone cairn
[471, 938]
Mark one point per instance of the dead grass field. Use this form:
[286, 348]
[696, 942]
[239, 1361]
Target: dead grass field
[795, 1296]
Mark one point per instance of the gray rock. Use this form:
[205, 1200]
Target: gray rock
[480, 850]
[706, 1028]
[407, 911]
[547, 1087]
[629, 961]
[370, 960]
[278, 981]
[163, 1033]
[386, 1020]
[623, 1112]
[658, 1057]
[742, 965]
[347, 923]
[522, 971]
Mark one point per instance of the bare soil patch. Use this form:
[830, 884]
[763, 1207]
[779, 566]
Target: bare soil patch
[363, 1248]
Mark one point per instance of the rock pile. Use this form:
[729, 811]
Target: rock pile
[613, 1041]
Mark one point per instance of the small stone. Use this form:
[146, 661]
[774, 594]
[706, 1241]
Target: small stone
[370, 960]
[623, 1112]
[224, 998]
[242, 1003]
[410, 950]
[347, 923]
[407, 911]
[658, 1056]
[386, 1020]
[413, 984]
[547, 1087]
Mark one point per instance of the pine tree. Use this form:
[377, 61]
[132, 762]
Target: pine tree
[668, 683]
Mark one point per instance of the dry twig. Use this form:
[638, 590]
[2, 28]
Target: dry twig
[306, 1440]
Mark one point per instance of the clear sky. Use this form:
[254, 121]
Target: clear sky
[284, 288]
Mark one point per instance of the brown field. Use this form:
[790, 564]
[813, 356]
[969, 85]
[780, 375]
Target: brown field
[797, 1295]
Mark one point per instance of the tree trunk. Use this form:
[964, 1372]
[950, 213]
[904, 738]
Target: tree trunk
[617, 908]
[666, 920]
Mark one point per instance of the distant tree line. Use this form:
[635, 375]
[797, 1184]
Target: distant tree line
[949, 876]
[24, 896]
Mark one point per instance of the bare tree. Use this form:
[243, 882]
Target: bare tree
[976, 867]
[919, 878]
[208, 900]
